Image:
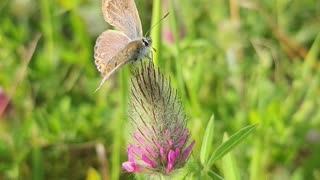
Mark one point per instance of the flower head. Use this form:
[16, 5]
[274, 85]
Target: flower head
[160, 137]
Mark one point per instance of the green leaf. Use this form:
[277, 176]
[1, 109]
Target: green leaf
[231, 143]
[207, 141]
[229, 165]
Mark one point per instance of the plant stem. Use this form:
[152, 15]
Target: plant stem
[156, 31]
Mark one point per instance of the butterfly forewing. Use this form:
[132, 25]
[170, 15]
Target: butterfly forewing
[124, 16]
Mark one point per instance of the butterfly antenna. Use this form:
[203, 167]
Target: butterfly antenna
[153, 26]
[154, 49]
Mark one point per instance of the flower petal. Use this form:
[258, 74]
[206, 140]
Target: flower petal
[171, 158]
[187, 152]
[162, 154]
[183, 140]
[131, 167]
[148, 161]
[177, 152]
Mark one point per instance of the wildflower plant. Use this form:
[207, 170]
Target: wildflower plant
[160, 138]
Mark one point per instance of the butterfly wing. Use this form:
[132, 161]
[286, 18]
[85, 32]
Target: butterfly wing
[129, 53]
[110, 72]
[108, 45]
[124, 16]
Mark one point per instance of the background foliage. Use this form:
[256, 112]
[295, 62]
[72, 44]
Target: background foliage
[244, 61]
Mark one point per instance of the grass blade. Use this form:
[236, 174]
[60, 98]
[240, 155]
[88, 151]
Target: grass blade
[229, 165]
[156, 31]
[231, 143]
[214, 175]
[207, 141]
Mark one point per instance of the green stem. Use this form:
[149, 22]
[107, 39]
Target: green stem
[176, 30]
[117, 140]
[156, 31]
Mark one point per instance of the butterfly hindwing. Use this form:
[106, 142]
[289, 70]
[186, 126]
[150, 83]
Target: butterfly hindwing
[108, 45]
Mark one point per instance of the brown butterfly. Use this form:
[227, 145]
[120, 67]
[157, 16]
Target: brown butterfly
[115, 48]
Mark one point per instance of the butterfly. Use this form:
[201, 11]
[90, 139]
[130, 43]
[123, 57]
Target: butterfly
[115, 48]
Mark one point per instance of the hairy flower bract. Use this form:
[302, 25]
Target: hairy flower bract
[160, 137]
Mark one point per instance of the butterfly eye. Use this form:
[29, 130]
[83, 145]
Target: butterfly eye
[146, 42]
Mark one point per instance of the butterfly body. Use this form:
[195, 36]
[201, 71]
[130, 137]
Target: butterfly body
[115, 48]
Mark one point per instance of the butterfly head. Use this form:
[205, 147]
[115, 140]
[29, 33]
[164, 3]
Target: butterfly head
[147, 42]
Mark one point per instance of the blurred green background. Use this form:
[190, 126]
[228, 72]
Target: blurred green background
[244, 61]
